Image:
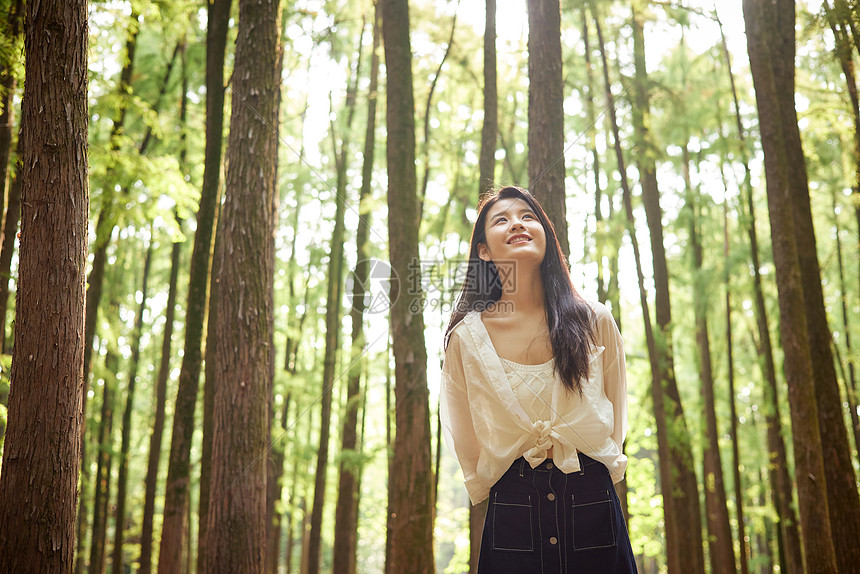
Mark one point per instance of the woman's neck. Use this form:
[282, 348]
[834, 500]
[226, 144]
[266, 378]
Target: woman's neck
[523, 292]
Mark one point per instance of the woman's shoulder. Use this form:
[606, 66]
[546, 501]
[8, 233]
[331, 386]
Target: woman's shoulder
[601, 311]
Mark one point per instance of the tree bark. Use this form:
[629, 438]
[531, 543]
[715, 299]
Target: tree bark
[11, 29]
[678, 480]
[346, 510]
[334, 293]
[730, 372]
[10, 232]
[768, 27]
[178, 471]
[410, 504]
[721, 551]
[41, 456]
[122, 480]
[546, 114]
[490, 126]
[155, 438]
[790, 558]
[842, 495]
[101, 488]
[236, 521]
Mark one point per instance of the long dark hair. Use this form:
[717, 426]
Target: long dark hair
[568, 316]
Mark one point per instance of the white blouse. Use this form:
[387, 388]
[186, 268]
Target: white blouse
[486, 426]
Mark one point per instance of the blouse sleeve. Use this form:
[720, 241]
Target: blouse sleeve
[615, 379]
[457, 426]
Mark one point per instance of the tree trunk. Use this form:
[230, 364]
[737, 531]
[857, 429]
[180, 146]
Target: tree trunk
[332, 334]
[487, 169]
[410, 504]
[721, 551]
[346, 511]
[768, 27]
[236, 521]
[274, 489]
[155, 438]
[678, 480]
[546, 114]
[101, 490]
[659, 408]
[843, 498]
[11, 29]
[490, 127]
[425, 148]
[730, 372]
[790, 559]
[10, 232]
[178, 471]
[850, 382]
[41, 455]
[122, 479]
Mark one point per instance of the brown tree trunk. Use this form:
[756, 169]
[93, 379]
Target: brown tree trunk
[346, 510]
[236, 521]
[850, 379]
[274, 488]
[10, 232]
[410, 504]
[490, 126]
[546, 114]
[730, 372]
[95, 280]
[678, 480]
[11, 30]
[790, 556]
[122, 479]
[101, 488]
[721, 551]
[332, 336]
[155, 438]
[425, 147]
[627, 196]
[41, 455]
[770, 42]
[842, 496]
[178, 472]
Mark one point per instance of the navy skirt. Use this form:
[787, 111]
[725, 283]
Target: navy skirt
[544, 521]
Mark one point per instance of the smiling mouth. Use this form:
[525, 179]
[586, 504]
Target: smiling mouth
[519, 239]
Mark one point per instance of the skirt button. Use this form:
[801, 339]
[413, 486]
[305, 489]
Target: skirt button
[553, 540]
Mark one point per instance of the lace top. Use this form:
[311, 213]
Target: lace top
[495, 411]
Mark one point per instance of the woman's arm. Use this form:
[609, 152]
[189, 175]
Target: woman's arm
[614, 374]
[456, 417]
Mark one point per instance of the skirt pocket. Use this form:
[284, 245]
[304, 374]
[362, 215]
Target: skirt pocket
[512, 521]
[593, 520]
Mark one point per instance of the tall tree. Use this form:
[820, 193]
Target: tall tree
[236, 526]
[346, 511]
[157, 433]
[546, 114]
[721, 548]
[411, 507]
[334, 296]
[781, 490]
[770, 43]
[122, 480]
[842, 495]
[95, 280]
[10, 192]
[487, 175]
[678, 480]
[38, 484]
[178, 470]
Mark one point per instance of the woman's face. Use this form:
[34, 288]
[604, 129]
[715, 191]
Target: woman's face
[513, 232]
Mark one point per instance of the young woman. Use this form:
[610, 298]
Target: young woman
[534, 401]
